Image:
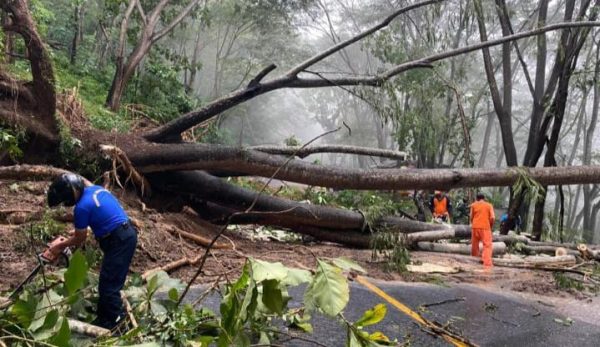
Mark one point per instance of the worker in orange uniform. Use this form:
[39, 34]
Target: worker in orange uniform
[440, 206]
[482, 221]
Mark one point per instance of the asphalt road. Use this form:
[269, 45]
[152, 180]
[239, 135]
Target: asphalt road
[485, 318]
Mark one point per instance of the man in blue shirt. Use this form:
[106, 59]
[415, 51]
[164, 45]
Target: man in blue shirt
[98, 209]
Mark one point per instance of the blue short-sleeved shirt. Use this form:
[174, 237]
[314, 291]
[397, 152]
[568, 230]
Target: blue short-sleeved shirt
[100, 210]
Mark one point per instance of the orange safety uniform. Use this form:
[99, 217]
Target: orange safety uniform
[440, 207]
[482, 220]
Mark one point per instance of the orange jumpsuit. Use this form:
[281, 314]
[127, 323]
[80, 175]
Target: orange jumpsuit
[440, 207]
[482, 220]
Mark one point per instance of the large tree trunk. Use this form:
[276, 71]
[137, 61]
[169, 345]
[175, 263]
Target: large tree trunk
[37, 104]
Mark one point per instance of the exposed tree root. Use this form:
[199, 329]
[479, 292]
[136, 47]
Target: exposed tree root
[118, 155]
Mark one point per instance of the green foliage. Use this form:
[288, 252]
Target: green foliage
[358, 337]
[216, 135]
[160, 88]
[524, 184]
[249, 309]
[328, 291]
[46, 229]
[390, 245]
[292, 141]
[565, 282]
[76, 274]
[74, 156]
[9, 143]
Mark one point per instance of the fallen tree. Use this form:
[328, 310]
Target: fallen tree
[172, 166]
[497, 248]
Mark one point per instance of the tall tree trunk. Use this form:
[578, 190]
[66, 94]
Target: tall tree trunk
[189, 88]
[486, 137]
[77, 31]
[588, 221]
[540, 81]
[504, 117]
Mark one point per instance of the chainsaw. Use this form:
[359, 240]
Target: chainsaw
[46, 257]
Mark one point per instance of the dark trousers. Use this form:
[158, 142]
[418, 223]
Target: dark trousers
[118, 249]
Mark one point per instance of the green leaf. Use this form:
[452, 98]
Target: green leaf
[372, 316]
[50, 320]
[306, 327]
[272, 297]
[378, 336]
[76, 274]
[63, 336]
[173, 294]
[24, 309]
[348, 264]
[297, 276]
[262, 270]
[328, 290]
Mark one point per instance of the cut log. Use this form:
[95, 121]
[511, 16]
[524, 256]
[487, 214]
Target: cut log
[435, 235]
[551, 250]
[202, 241]
[511, 239]
[587, 253]
[172, 266]
[497, 247]
[536, 261]
[87, 329]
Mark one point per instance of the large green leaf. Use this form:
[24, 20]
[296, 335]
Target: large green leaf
[262, 270]
[63, 336]
[372, 316]
[328, 291]
[76, 274]
[24, 309]
[272, 297]
[296, 276]
[348, 264]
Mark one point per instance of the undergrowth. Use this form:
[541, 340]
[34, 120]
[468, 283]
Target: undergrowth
[253, 308]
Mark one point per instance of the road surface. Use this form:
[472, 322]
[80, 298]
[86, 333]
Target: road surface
[485, 318]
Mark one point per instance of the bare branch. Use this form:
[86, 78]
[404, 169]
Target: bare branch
[158, 35]
[141, 11]
[181, 124]
[311, 61]
[452, 53]
[304, 152]
[264, 72]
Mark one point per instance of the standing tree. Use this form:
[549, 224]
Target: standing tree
[154, 26]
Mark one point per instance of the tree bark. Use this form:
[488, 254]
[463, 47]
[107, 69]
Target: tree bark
[537, 261]
[504, 116]
[303, 152]
[498, 248]
[172, 157]
[588, 226]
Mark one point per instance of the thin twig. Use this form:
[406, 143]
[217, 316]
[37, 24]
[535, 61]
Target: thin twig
[442, 302]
